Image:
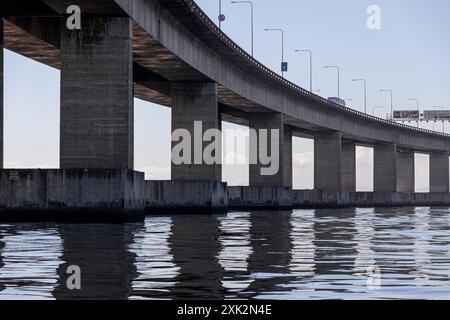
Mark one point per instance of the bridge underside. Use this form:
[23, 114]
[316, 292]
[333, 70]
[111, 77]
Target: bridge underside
[157, 51]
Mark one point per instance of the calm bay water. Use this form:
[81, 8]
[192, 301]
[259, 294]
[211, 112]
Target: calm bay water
[302, 254]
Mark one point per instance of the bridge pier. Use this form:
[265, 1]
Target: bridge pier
[273, 123]
[393, 169]
[334, 163]
[270, 185]
[385, 168]
[405, 171]
[96, 180]
[439, 172]
[349, 166]
[195, 110]
[196, 168]
[97, 95]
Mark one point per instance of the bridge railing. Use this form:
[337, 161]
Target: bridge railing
[268, 72]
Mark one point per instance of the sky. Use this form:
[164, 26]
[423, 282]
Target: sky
[409, 54]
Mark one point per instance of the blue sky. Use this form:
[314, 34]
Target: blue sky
[410, 55]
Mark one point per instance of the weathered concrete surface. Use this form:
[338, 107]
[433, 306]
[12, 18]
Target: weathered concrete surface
[399, 199]
[185, 197]
[385, 167]
[263, 124]
[439, 172]
[330, 164]
[318, 199]
[406, 171]
[97, 95]
[260, 197]
[191, 103]
[1, 93]
[348, 159]
[71, 194]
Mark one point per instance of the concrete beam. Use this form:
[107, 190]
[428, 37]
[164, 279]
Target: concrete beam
[348, 166]
[439, 172]
[97, 95]
[192, 103]
[385, 167]
[283, 176]
[1, 93]
[405, 171]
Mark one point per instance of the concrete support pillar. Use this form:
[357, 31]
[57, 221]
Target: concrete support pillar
[348, 166]
[439, 172]
[328, 161]
[1, 93]
[385, 168]
[405, 171]
[195, 110]
[97, 95]
[268, 125]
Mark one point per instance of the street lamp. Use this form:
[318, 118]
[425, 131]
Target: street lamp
[251, 9]
[376, 107]
[339, 78]
[417, 102]
[221, 16]
[365, 92]
[392, 101]
[418, 109]
[282, 47]
[443, 121]
[310, 68]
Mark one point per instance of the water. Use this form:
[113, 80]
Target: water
[303, 254]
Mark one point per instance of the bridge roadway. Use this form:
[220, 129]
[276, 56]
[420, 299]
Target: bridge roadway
[169, 52]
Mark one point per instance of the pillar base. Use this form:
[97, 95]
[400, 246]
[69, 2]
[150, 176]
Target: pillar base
[71, 195]
[193, 197]
[260, 198]
[314, 199]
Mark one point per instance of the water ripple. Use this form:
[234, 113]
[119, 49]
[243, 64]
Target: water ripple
[302, 254]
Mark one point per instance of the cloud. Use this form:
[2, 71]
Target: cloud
[303, 160]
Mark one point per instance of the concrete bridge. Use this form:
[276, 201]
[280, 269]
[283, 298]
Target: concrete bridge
[169, 52]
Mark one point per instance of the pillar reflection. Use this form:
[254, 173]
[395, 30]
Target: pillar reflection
[195, 249]
[334, 238]
[156, 269]
[269, 262]
[235, 240]
[102, 253]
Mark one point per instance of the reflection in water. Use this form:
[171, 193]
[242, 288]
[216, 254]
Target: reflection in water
[304, 254]
[195, 249]
[102, 253]
[235, 251]
[155, 267]
[29, 260]
[269, 262]
[334, 240]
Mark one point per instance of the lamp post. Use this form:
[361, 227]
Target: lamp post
[418, 109]
[365, 92]
[221, 16]
[376, 107]
[252, 20]
[392, 101]
[282, 47]
[310, 68]
[338, 78]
